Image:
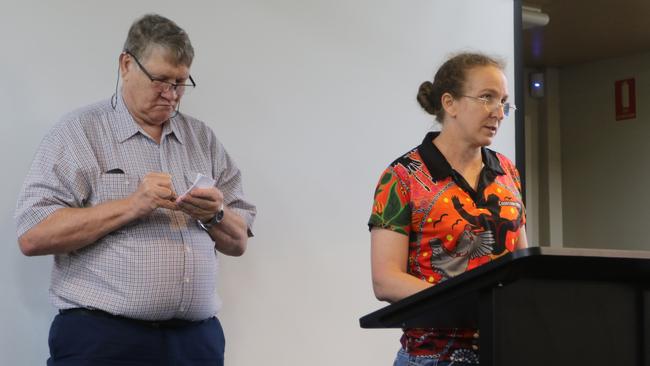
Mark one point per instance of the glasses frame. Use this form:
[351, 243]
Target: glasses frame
[505, 107]
[164, 84]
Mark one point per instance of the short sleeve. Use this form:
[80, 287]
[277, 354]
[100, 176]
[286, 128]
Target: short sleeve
[229, 181]
[512, 172]
[391, 208]
[54, 181]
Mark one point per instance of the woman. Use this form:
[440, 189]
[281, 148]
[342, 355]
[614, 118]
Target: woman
[449, 205]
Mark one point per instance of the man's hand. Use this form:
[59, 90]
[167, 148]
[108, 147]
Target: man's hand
[154, 191]
[201, 203]
[231, 235]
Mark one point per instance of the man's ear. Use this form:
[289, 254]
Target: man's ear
[125, 63]
[449, 105]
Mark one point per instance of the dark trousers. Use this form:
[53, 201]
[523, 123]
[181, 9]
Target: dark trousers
[84, 339]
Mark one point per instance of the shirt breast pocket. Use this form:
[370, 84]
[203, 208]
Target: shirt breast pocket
[111, 186]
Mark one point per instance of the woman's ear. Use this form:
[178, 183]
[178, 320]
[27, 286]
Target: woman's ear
[449, 105]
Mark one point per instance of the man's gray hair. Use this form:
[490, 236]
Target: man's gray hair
[155, 30]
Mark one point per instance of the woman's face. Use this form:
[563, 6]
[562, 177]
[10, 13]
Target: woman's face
[477, 114]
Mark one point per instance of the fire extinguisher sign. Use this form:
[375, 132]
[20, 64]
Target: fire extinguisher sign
[625, 99]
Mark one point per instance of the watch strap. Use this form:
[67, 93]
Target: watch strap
[216, 219]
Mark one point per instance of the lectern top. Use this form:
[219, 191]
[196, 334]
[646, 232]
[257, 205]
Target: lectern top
[454, 301]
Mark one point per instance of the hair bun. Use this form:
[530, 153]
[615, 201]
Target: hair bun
[425, 99]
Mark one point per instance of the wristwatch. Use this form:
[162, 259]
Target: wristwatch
[218, 217]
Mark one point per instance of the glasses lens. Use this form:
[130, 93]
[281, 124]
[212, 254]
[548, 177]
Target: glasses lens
[163, 87]
[183, 89]
[160, 86]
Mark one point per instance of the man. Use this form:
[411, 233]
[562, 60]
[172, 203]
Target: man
[135, 265]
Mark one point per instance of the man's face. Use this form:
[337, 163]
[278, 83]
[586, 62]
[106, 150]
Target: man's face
[149, 105]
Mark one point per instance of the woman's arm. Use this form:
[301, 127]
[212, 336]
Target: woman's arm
[389, 258]
[523, 241]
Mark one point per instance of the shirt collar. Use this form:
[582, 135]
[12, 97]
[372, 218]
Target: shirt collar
[439, 167]
[172, 127]
[124, 126]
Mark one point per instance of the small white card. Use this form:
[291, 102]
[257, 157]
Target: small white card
[201, 181]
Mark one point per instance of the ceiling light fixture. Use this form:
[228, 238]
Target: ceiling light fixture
[533, 17]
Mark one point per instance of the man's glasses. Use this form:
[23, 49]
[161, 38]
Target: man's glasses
[160, 85]
[492, 104]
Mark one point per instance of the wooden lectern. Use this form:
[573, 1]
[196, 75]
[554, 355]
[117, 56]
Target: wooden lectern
[542, 306]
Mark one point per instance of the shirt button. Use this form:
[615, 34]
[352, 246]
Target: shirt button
[186, 279]
[181, 309]
[188, 249]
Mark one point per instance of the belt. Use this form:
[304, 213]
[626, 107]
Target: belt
[160, 324]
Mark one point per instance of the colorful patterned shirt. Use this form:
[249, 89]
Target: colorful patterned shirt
[451, 227]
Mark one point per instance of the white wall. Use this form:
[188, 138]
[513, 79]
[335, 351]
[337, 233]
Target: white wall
[312, 98]
[604, 161]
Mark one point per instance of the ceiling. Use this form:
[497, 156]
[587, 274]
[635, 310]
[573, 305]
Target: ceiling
[581, 31]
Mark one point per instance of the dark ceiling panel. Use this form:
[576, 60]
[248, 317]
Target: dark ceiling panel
[582, 31]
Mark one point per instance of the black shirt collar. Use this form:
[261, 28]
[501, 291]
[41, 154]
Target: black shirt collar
[439, 167]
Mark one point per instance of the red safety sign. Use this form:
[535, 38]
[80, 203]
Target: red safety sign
[625, 99]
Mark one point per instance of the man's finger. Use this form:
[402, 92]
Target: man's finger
[201, 203]
[165, 193]
[170, 205]
[188, 208]
[211, 193]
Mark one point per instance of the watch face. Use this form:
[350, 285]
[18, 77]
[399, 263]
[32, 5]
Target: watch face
[219, 216]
